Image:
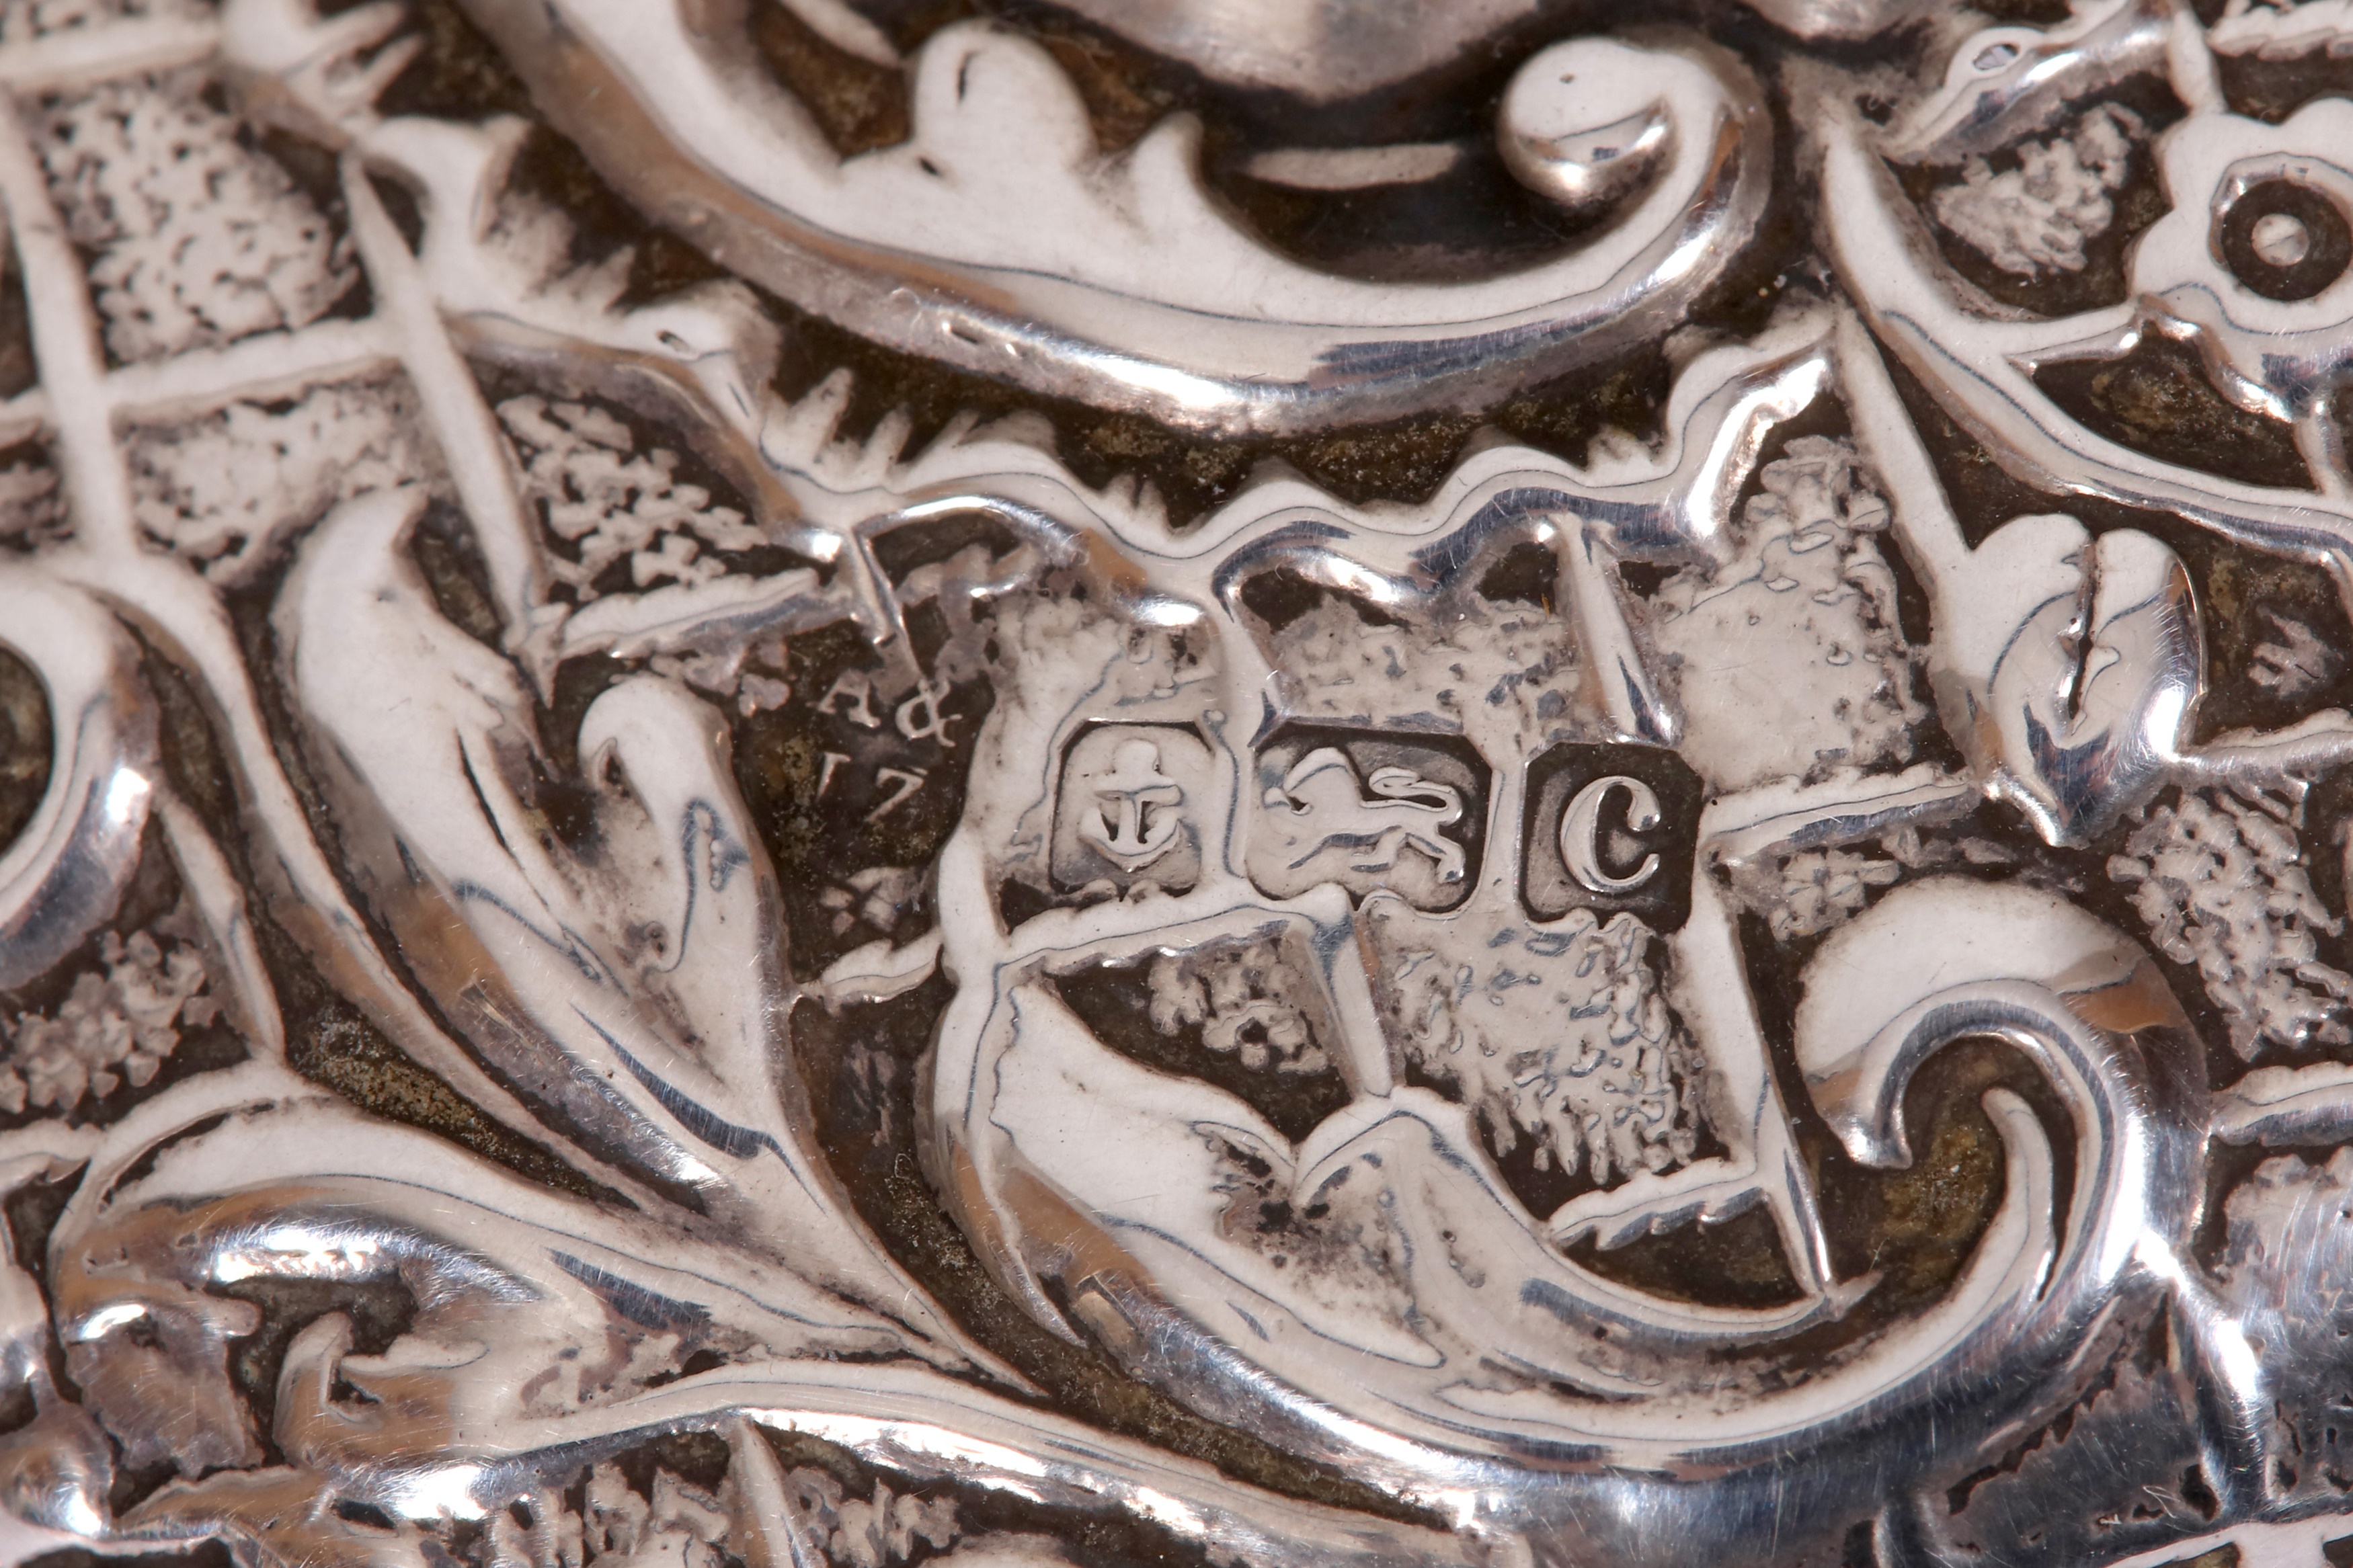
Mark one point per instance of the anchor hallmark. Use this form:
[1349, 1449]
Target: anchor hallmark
[1136, 785]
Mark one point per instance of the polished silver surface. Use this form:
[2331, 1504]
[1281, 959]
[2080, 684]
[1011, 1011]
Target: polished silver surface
[766, 807]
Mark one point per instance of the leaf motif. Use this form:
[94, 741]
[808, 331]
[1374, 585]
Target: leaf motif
[532, 1306]
[285, 1518]
[629, 970]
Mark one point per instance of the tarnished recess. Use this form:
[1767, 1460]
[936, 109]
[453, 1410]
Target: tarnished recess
[824, 784]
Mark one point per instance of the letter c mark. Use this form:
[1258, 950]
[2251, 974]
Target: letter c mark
[1581, 833]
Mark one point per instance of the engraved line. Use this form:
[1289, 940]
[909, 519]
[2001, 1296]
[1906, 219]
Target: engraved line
[274, 364]
[454, 407]
[65, 344]
[87, 56]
